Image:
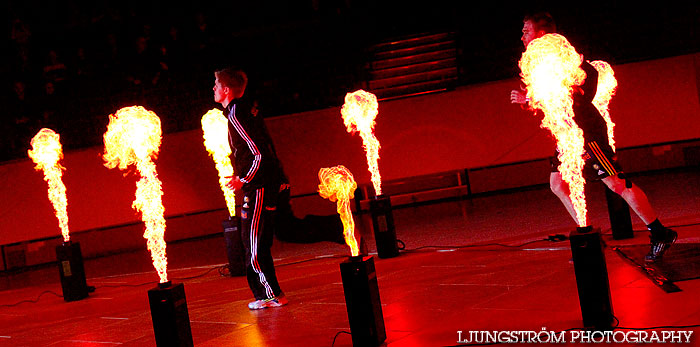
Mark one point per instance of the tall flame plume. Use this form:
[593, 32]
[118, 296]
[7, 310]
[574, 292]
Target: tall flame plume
[606, 89]
[359, 111]
[215, 128]
[46, 153]
[133, 138]
[338, 184]
[550, 68]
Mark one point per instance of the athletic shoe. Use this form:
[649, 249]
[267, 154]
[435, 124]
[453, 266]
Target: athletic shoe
[659, 246]
[277, 301]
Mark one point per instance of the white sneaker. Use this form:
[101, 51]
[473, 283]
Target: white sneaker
[277, 301]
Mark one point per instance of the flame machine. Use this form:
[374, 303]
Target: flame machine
[362, 301]
[619, 213]
[383, 224]
[234, 246]
[47, 153]
[591, 278]
[551, 70]
[215, 133]
[359, 112]
[618, 209]
[358, 274]
[133, 138]
[171, 320]
[72, 271]
[338, 184]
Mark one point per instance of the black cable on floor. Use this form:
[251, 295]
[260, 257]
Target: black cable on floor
[403, 245]
[174, 278]
[33, 301]
[200, 275]
[224, 271]
[336, 336]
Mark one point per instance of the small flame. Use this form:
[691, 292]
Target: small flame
[359, 111]
[337, 184]
[550, 68]
[215, 128]
[46, 153]
[133, 138]
[606, 89]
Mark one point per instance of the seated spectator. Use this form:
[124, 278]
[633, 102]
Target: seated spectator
[142, 68]
[55, 71]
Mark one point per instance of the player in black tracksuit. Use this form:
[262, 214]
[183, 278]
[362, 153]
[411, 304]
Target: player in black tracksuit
[266, 209]
[259, 179]
[599, 156]
[258, 169]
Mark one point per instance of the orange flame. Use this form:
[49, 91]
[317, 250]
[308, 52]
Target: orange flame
[46, 152]
[550, 68]
[606, 89]
[337, 184]
[215, 128]
[133, 138]
[359, 111]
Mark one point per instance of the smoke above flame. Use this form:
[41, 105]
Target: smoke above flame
[606, 89]
[338, 184]
[215, 128]
[550, 68]
[133, 138]
[359, 111]
[46, 153]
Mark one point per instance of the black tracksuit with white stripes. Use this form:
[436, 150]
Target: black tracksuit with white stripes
[257, 166]
[599, 156]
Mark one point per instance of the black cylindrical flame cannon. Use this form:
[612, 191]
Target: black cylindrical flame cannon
[72, 271]
[383, 224]
[171, 320]
[362, 301]
[591, 278]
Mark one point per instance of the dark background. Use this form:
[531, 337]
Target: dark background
[300, 55]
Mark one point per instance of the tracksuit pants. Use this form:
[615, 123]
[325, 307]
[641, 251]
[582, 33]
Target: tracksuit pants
[257, 230]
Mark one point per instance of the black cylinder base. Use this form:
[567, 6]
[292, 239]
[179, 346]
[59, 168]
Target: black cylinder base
[234, 246]
[383, 224]
[72, 271]
[620, 218]
[362, 301]
[171, 320]
[591, 278]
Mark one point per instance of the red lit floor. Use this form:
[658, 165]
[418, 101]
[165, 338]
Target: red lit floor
[427, 295]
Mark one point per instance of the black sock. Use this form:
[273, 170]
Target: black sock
[657, 229]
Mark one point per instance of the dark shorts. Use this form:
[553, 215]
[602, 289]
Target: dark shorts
[600, 162]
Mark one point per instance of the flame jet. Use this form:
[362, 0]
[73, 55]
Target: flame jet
[133, 138]
[359, 111]
[46, 153]
[606, 89]
[338, 184]
[215, 128]
[550, 68]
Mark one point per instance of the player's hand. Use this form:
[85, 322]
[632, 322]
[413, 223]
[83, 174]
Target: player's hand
[234, 183]
[517, 97]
